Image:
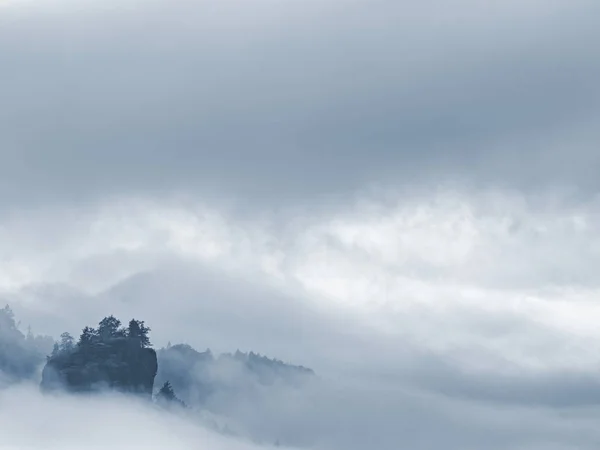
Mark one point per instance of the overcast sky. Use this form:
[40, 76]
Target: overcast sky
[399, 194]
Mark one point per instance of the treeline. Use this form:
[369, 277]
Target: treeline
[120, 356]
[200, 376]
[110, 356]
[21, 354]
[108, 330]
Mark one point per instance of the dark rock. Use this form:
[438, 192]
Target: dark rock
[119, 364]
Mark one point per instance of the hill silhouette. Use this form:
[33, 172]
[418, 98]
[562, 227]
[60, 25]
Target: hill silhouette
[109, 357]
[121, 358]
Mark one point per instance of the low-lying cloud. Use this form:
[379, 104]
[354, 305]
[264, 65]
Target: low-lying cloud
[344, 416]
[31, 420]
[499, 281]
[410, 310]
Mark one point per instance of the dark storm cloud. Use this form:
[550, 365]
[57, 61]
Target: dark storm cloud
[282, 102]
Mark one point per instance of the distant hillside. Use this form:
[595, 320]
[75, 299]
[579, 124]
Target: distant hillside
[117, 357]
[21, 354]
[198, 376]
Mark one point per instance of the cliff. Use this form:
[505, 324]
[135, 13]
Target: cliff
[119, 364]
[110, 357]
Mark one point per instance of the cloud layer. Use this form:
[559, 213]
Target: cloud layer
[401, 195]
[283, 101]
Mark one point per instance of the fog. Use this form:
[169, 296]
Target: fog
[278, 102]
[32, 421]
[459, 354]
[400, 195]
[349, 415]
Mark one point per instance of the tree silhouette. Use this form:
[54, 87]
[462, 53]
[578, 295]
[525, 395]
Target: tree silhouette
[67, 343]
[105, 356]
[55, 351]
[166, 395]
[166, 391]
[139, 332]
[87, 337]
[20, 354]
[7, 320]
[110, 327]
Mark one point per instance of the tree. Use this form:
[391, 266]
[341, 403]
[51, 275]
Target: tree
[109, 327]
[55, 351]
[139, 332]
[67, 343]
[20, 354]
[30, 337]
[166, 395]
[87, 337]
[166, 391]
[7, 319]
[8, 312]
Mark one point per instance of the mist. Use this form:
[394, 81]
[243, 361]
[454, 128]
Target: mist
[33, 421]
[347, 225]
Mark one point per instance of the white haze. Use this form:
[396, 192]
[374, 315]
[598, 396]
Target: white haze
[346, 416]
[399, 194]
[458, 341]
[33, 421]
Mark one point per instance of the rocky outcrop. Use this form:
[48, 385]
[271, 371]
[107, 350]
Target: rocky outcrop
[119, 364]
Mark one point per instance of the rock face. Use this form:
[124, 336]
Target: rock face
[118, 364]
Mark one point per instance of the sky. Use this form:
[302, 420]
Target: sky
[401, 195]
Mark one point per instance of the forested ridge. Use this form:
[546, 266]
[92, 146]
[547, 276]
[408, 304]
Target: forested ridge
[113, 356]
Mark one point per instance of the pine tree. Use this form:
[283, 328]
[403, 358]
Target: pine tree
[67, 342]
[109, 328]
[30, 337]
[7, 319]
[166, 396]
[166, 392]
[55, 351]
[139, 332]
[87, 337]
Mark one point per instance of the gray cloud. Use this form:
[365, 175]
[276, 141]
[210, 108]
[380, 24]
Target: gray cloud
[96, 423]
[281, 101]
[207, 309]
[132, 136]
[350, 416]
[373, 387]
